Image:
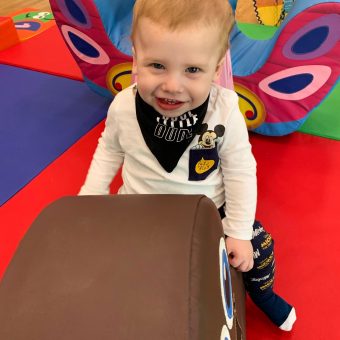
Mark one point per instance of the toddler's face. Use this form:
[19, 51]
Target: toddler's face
[175, 69]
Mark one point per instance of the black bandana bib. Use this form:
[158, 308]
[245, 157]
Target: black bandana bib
[168, 138]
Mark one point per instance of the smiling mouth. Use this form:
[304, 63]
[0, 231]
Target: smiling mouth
[169, 104]
[169, 101]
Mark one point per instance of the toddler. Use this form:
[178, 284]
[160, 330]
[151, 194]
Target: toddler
[176, 132]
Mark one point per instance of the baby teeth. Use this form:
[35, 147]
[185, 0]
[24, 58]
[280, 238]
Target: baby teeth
[170, 101]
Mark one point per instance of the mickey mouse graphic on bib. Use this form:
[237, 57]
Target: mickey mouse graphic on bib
[203, 158]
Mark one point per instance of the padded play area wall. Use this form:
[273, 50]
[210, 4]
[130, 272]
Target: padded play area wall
[281, 80]
[292, 76]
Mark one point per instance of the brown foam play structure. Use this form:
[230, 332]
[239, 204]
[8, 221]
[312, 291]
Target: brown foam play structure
[123, 267]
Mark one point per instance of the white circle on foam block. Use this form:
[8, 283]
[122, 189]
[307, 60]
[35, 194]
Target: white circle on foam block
[225, 275]
[225, 333]
[102, 59]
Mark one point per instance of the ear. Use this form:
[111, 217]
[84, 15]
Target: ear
[134, 62]
[219, 130]
[203, 128]
[219, 66]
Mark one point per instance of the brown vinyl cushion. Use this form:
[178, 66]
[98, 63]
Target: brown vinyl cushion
[120, 267]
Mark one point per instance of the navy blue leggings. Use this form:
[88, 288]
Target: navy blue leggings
[260, 279]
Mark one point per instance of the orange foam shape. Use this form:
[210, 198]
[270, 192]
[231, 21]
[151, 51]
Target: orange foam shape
[8, 33]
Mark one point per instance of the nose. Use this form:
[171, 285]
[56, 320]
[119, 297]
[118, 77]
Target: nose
[172, 84]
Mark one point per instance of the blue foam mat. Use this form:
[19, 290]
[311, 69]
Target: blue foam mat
[41, 116]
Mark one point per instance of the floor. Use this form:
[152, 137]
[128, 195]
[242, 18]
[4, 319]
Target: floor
[8, 7]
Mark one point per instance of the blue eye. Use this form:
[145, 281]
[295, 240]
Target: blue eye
[193, 69]
[157, 66]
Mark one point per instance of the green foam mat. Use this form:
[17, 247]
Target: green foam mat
[256, 31]
[324, 121]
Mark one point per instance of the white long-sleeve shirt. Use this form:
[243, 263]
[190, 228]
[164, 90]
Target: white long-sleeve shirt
[232, 182]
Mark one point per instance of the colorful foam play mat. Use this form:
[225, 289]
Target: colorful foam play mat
[51, 115]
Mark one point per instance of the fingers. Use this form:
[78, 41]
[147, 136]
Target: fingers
[248, 266]
[240, 253]
[241, 265]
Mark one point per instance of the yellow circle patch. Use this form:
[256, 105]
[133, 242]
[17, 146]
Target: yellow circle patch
[204, 165]
[251, 106]
[119, 77]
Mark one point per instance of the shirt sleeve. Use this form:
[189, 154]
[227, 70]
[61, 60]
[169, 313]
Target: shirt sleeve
[107, 159]
[239, 174]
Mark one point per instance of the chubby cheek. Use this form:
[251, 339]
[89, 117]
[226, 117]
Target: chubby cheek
[145, 85]
[200, 94]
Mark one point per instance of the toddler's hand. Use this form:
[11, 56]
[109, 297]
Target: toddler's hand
[240, 253]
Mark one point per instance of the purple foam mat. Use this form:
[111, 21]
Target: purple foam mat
[41, 116]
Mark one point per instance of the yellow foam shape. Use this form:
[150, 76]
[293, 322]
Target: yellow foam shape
[270, 15]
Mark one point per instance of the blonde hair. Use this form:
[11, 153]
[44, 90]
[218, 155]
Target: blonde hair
[177, 14]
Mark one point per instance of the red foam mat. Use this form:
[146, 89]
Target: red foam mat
[298, 203]
[299, 196]
[62, 177]
[45, 52]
